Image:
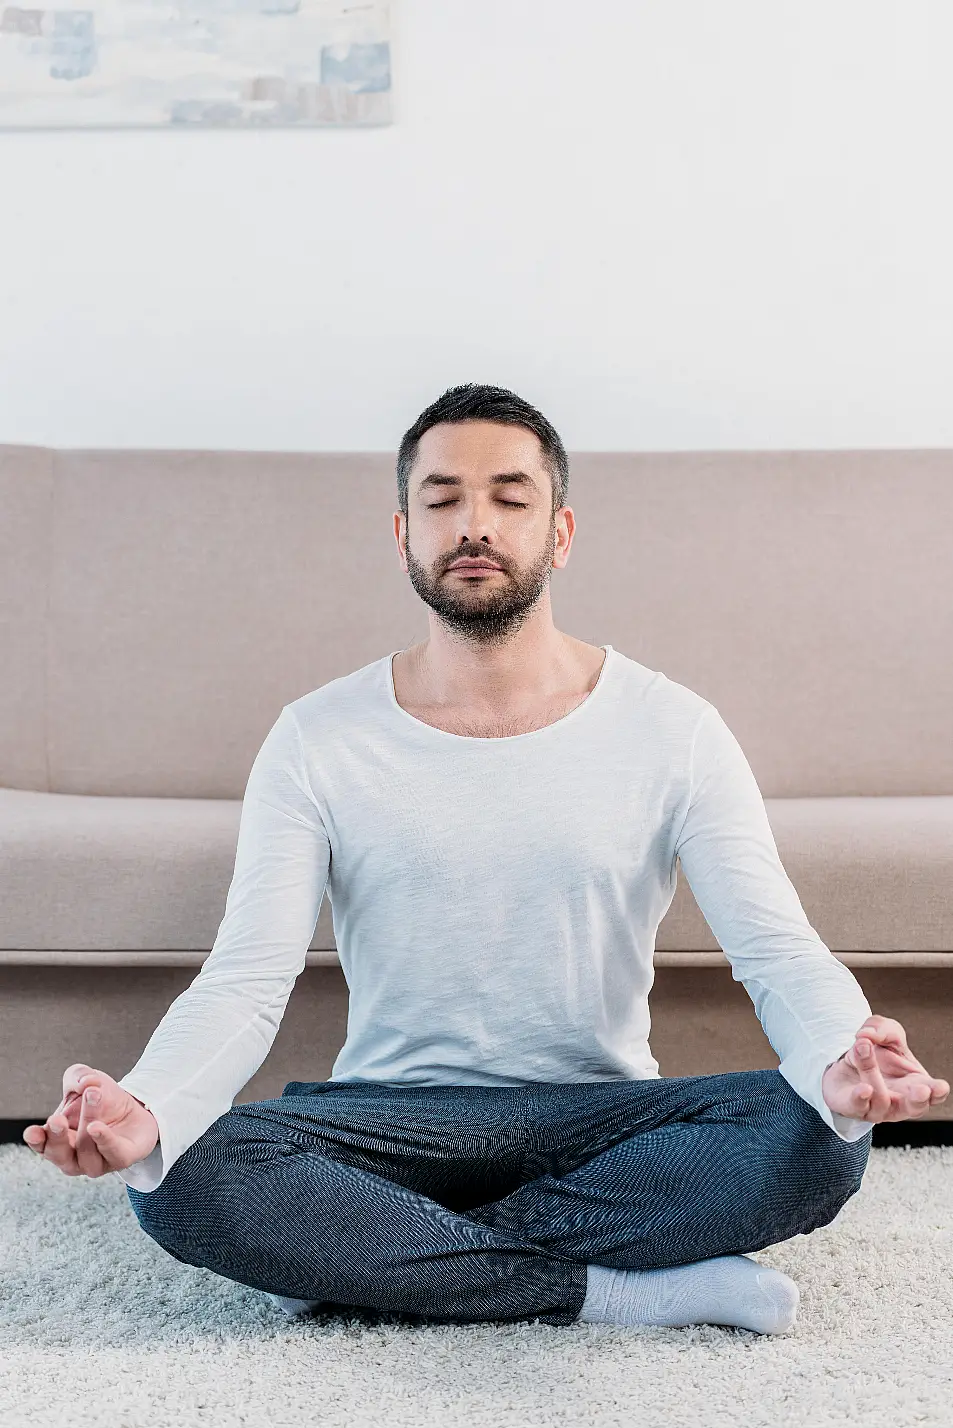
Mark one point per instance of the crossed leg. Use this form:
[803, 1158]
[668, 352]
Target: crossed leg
[695, 1167]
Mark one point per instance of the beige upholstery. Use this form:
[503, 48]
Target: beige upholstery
[157, 609]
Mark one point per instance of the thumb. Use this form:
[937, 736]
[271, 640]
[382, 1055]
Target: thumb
[846, 1088]
[112, 1097]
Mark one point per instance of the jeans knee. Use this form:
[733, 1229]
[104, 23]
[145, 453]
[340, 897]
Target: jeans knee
[847, 1159]
[156, 1212]
[171, 1212]
[190, 1217]
[832, 1170]
[835, 1168]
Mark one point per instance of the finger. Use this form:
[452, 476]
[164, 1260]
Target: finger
[108, 1145]
[72, 1076]
[72, 1103]
[916, 1095]
[914, 1098]
[865, 1062]
[35, 1138]
[860, 1102]
[74, 1086]
[879, 1023]
[74, 1079]
[68, 1108]
[88, 1158]
[59, 1149]
[898, 1048]
[889, 1034]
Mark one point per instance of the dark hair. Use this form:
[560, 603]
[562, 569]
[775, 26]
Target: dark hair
[473, 401]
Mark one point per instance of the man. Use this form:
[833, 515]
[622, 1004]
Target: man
[505, 805]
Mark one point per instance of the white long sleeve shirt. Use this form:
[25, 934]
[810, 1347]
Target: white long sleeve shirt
[495, 901]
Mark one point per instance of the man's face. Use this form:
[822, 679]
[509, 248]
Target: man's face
[510, 523]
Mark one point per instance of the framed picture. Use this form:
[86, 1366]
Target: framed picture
[195, 63]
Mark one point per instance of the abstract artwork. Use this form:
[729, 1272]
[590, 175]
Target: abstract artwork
[195, 63]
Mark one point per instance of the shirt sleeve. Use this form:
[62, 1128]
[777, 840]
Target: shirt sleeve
[810, 1005]
[216, 1033]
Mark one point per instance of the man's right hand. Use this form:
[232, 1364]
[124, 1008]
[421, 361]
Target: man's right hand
[97, 1126]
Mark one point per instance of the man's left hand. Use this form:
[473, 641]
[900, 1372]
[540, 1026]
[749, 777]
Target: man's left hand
[879, 1078]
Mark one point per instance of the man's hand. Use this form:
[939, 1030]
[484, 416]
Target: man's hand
[97, 1126]
[879, 1079]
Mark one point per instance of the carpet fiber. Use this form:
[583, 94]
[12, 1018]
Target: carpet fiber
[98, 1326]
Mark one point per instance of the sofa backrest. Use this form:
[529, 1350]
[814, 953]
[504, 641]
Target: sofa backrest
[158, 608]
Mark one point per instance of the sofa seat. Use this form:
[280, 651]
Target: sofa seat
[133, 876]
[158, 608]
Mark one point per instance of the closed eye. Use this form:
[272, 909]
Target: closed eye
[520, 505]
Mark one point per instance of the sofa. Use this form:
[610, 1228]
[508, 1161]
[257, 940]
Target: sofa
[158, 608]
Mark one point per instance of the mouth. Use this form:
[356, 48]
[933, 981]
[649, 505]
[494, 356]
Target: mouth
[468, 568]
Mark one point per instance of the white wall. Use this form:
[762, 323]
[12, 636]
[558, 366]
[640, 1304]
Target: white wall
[675, 224]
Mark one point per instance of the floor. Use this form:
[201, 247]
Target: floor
[99, 1326]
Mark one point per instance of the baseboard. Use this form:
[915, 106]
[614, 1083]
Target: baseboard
[908, 1134]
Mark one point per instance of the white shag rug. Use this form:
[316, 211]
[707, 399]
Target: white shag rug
[99, 1326]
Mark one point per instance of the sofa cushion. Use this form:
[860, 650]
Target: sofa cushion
[91, 872]
[164, 606]
[86, 872]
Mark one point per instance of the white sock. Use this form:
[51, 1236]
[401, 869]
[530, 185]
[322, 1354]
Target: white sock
[729, 1289]
[293, 1307]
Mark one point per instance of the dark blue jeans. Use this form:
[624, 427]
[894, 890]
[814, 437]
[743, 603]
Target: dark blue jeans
[465, 1203]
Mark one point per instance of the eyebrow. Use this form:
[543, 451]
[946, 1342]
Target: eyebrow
[502, 478]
